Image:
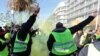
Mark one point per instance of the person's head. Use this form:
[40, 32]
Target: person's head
[89, 30]
[16, 27]
[6, 28]
[59, 25]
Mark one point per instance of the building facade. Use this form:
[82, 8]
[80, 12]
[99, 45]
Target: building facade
[68, 10]
[60, 14]
[80, 8]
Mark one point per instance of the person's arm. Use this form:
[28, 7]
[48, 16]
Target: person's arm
[84, 23]
[81, 25]
[27, 25]
[34, 31]
[50, 42]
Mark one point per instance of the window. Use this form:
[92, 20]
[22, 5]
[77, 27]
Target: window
[87, 1]
[82, 4]
[75, 0]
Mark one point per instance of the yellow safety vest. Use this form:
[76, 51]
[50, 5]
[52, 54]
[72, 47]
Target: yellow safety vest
[4, 52]
[64, 43]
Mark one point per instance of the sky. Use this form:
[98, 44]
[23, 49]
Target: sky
[46, 6]
[3, 6]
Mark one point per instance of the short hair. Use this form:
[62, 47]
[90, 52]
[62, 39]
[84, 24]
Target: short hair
[59, 25]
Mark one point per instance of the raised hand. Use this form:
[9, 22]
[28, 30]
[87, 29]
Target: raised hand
[94, 13]
[36, 9]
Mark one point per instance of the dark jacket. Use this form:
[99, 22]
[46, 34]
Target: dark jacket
[2, 33]
[73, 29]
[2, 45]
[22, 33]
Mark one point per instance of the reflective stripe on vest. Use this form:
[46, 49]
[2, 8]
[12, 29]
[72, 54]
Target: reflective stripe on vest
[4, 52]
[20, 46]
[92, 51]
[64, 43]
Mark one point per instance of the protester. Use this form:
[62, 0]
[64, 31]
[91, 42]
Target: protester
[3, 43]
[21, 40]
[77, 38]
[92, 49]
[61, 41]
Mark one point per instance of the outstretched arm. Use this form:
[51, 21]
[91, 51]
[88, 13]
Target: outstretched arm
[33, 32]
[27, 25]
[83, 24]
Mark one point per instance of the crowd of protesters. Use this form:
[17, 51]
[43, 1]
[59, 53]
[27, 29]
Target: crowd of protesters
[16, 40]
